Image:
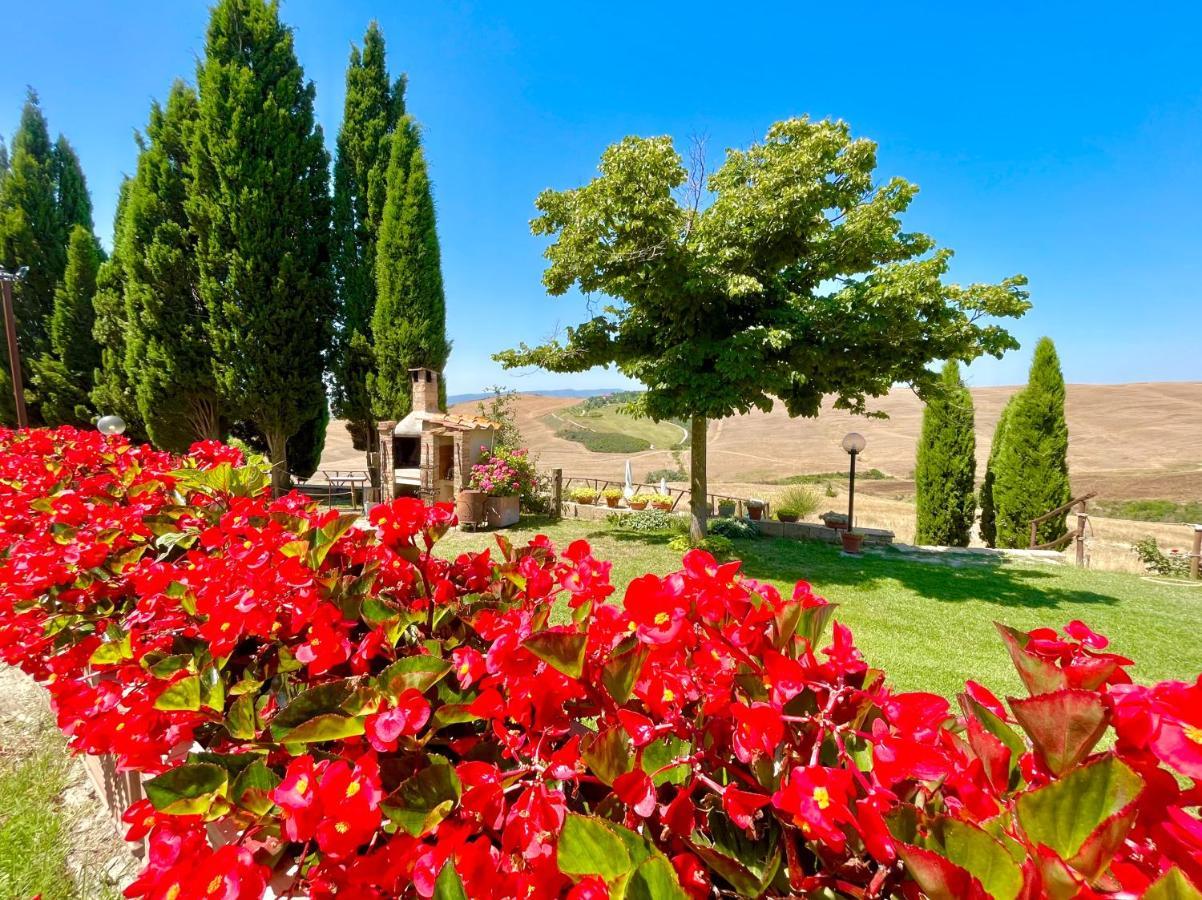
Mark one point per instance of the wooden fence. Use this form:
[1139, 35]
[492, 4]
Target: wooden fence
[561, 484]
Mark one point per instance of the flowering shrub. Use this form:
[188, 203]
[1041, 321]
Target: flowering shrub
[507, 473]
[1175, 563]
[338, 712]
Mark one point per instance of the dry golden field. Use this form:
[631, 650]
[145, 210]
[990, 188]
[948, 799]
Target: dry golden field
[1126, 441]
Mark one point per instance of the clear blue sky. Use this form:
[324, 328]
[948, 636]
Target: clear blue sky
[1062, 141]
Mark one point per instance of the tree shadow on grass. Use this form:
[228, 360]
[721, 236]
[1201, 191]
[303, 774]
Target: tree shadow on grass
[985, 580]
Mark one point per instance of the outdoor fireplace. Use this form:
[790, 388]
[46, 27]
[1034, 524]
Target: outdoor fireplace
[430, 453]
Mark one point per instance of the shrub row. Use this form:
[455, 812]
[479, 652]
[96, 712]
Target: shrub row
[604, 441]
[338, 712]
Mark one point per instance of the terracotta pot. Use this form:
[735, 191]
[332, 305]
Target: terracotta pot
[755, 512]
[786, 517]
[612, 502]
[469, 507]
[851, 541]
[501, 512]
[665, 505]
[637, 504]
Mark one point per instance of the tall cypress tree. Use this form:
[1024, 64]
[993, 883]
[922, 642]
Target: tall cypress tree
[1031, 476]
[260, 206]
[988, 505]
[31, 233]
[947, 465]
[372, 109]
[410, 317]
[113, 390]
[63, 375]
[168, 358]
[70, 190]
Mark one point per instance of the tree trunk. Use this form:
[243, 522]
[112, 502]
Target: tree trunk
[277, 449]
[205, 422]
[697, 479]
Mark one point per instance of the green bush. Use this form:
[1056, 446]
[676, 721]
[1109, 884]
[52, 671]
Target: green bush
[820, 477]
[677, 474]
[721, 547]
[946, 502]
[648, 521]
[797, 501]
[604, 441]
[1151, 510]
[1174, 563]
[735, 529]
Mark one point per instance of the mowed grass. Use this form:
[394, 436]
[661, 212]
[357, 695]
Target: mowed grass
[33, 831]
[929, 625]
[609, 419]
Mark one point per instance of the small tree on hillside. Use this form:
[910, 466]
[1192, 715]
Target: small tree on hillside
[792, 279]
[63, 375]
[1032, 467]
[988, 505]
[409, 323]
[259, 203]
[947, 465]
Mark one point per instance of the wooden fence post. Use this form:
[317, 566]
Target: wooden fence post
[1193, 562]
[557, 492]
[1081, 519]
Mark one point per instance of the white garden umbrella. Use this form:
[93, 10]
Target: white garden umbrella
[663, 486]
[629, 491]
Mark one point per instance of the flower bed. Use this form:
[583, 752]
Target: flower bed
[358, 717]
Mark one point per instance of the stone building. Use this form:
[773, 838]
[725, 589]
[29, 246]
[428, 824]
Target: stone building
[430, 453]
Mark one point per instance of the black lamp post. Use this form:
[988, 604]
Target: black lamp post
[854, 444]
[14, 351]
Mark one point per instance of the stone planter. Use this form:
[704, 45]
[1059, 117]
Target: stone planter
[726, 509]
[786, 517]
[852, 541]
[837, 521]
[501, 512]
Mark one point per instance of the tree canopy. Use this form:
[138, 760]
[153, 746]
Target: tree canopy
[784, 275]
[260, 206]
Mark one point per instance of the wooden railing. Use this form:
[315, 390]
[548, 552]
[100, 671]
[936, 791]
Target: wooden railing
[1077, 534]
[563, 483]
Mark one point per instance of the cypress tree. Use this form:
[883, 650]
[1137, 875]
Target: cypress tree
[168, 359]
[372, 109]
[261, 210]
[31, 233]
[410, 318]
[1031, 476]
[63, 376]
[113, 390]
[70, 190]
[946, 468]
[988, 506]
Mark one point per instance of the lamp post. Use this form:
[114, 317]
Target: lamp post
[14, 351]
[854, 444]
[110, 425]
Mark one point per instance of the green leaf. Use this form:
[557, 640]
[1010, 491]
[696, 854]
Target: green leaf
[655, 879]
[1172, 885]
[242, 721]
[938, 877]
[212, 689]
[560, 650]
[622, 670]
[112, 651]
[325, 698]
[749, 865]
[813, 622]
[448, 885]
[169, 665]
[588, 847]
[418, 672]
[187, 790]
[424, 800]
[182, 695]
[980, 855]
[1064, 726]
[326, 727]
[326, 536]
[252, 788]
[1065, 813]
[608, 754]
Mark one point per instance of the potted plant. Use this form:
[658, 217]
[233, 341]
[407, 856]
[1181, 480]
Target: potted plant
[832, 519]
[852, 540]
[585, 495]
[726, 507]
[661, 501]
[502, 484]
[796, 503]
[638, 501]
[613, 496]
[755, 509]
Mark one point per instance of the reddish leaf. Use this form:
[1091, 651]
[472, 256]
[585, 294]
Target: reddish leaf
[1039, 675]
[1064, 725]
[939, 878]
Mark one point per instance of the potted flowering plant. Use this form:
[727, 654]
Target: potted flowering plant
[584, 495]
[852, 540]
[638, 501]
[503, 476]
[662, 501]
[612, 496]
[726, 507]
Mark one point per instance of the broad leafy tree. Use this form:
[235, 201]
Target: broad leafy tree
[373, 106]
[1031, 472]
[409, 323]
[785, 275]
[260, 206]
[168, 357]
[63, 375]
[946, 466]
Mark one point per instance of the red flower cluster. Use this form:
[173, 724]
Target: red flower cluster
[341, 713]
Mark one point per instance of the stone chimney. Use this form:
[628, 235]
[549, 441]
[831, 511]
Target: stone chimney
[425, 390]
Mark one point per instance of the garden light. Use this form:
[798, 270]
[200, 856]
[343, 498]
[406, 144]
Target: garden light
[111, 425]
[853, 443]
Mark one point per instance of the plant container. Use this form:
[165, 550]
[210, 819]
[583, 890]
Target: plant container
[612, 502]
[665, 505]
[637, 504]
[469, 508]
[501, 512]
[852, 541]
[726, 510]
[755, 512]
[786, 517]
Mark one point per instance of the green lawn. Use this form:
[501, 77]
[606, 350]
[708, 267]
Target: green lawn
[929, 625]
